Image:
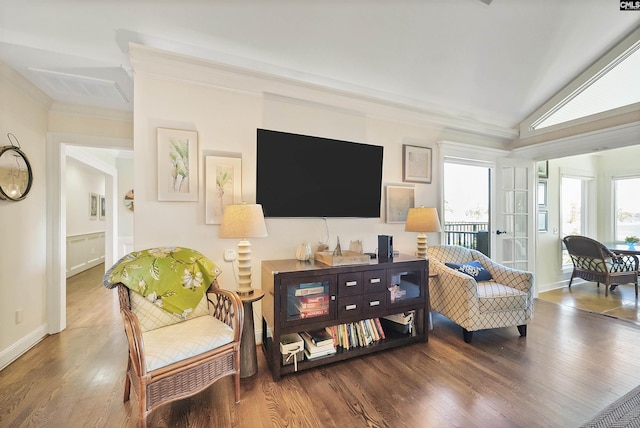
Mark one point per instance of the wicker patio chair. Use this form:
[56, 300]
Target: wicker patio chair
[172, 357]
[592, 261]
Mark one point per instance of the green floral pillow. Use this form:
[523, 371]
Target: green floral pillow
[173, 278]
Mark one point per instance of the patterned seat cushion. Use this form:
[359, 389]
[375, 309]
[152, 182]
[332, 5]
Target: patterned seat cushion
[494, 297]
[151, 316]
[177, 342]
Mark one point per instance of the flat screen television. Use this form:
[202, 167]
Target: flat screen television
[305, 176]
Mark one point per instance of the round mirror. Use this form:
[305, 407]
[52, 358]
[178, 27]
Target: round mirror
[15, 174]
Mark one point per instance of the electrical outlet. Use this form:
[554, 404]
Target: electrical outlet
[230, 255]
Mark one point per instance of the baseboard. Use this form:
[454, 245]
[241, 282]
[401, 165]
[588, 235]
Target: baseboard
[13, 352]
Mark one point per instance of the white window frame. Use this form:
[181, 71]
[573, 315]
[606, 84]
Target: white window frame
[612, 223]
[588, 211]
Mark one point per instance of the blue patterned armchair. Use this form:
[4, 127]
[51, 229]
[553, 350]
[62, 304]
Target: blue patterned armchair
[477, 293]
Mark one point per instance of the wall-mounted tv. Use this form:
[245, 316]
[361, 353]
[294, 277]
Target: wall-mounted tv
[305, 176]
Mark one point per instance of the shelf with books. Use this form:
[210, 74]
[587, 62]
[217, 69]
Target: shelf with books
[351, 303]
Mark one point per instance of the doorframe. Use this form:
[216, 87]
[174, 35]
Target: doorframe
[473, 155]
[59, 146]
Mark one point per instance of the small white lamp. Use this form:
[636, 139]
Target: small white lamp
[243, 221]
[422, 220]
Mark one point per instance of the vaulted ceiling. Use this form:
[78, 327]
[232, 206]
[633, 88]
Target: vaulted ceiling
[492, 63]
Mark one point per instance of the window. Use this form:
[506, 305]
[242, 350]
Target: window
[627, 207]
[573, 209]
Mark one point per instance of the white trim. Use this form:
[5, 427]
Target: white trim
[14, 351]
[59, 146]
[623, 49]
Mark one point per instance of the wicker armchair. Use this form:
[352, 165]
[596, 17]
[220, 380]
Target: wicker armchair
[173, 357]
[592, 261]
[504, 300]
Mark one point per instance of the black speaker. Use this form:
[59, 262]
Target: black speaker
[385, 247]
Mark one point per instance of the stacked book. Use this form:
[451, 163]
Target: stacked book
[317, 343]
[309, 300]
[356, 334]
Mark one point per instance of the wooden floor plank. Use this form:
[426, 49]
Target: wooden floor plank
[572, 364]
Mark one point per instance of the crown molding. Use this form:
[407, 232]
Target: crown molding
[90, 111]
[25, 86]
[179, 67]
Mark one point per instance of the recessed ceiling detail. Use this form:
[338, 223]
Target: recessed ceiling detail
[65, 85]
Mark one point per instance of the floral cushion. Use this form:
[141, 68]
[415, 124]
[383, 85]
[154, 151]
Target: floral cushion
[173, 278]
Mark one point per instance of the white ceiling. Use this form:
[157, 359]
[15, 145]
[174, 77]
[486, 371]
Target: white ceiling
[492, 63]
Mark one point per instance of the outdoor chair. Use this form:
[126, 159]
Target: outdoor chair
[477, 293]
[183, 331]
[593, 261]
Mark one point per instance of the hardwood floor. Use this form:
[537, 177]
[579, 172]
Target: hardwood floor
[572, 364]
[620, 303]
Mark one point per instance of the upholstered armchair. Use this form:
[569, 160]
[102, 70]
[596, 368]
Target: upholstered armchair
[592, 261]
[476, 292]
[183, 331]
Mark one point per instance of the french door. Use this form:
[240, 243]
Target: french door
[514, 214]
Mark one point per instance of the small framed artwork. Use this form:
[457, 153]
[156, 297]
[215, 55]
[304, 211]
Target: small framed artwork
[543, 169]
[102, 212]
[543, 218]
[224, 185]
[542, 194]
[399, 200]
[93, 206]
[416, 164]
[177, 165]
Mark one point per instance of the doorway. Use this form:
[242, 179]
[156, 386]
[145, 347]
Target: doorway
[467, 206]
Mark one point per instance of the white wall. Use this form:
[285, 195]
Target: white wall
[23, 112]
[226, 119]
[81, 181]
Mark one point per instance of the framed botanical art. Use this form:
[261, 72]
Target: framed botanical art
[223, 185]
[93, 206]
[416, 164]
[399, 200]
[542, 193]
[177, 165]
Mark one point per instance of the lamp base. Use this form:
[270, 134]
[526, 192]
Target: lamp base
[245, 292]
[422, 246]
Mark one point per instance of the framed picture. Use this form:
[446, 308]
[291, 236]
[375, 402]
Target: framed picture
[543, 218]
[543, 169]
[102, 212]
[399, 200]
[93, 206]
[416, 164]
[177, 165]
[542, 194]
[224, 186]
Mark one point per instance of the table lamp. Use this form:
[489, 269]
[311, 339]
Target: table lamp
[422, 220]
[243, 221]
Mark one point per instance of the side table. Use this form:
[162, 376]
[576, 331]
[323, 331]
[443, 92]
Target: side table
[248, 356]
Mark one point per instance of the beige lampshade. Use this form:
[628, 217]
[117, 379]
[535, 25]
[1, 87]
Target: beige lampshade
[243, 221]
[422, 220]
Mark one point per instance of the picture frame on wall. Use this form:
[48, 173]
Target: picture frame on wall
[399, 200]
[543, 218]
[542, 194]
[223, 185]
[416, 164]
[102, 212]
[93, 206]
[543, 169]
[177, 165]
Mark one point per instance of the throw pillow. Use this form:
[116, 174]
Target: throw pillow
[473, 269]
